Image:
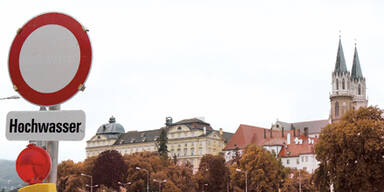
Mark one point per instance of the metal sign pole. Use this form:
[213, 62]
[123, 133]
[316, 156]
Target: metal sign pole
[53, 150]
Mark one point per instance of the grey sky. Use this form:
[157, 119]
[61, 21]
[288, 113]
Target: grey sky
[232, 62]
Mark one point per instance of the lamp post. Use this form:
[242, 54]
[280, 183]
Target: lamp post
[90, 186]
[124, 184]
[246, 178]
[160, 182]
[138, 168]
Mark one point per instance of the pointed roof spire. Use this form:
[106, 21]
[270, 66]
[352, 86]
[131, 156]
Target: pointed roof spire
[356, 69]
[340, 65]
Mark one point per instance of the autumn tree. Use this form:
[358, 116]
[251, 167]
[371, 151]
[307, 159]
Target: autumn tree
[351, 151]
[212, 171]
[161, 144]
[262, 169]
[181, 176]
[109, 168]
[301, 179]
[70, 183]
[68, 176]
[151, 162]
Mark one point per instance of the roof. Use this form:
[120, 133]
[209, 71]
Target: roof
[194, 123]
[295, 150]
[138, 137]
[111, 128]
[340, 65]
[244, 136]
[314, 127]
[227, 136]
[356, 69]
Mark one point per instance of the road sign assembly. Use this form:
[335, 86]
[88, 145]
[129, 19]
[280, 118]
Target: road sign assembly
[49, 62]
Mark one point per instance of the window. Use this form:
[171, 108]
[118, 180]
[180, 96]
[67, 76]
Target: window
[287, 161]
[179, 128]
[185, 152]
[302, 159]
[359, 90]
[297, 161]
[185, 145]
[343, 84]
[306, 158]
[200, 151]
[192, 151]
[337, 109]
[337, 84]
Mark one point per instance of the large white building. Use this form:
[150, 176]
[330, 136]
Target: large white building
[188, 140]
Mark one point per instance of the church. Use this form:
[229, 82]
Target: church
[294, 142]
[348, 88]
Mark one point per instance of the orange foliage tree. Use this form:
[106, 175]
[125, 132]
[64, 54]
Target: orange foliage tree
[351, 152]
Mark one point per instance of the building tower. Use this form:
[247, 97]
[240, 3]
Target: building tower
[341, 96]
[358, 83]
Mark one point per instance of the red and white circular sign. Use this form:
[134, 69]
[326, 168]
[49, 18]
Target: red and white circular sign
[50, 59]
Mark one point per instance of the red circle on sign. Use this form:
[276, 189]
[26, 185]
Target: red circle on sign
[52, 98]
[33, 164]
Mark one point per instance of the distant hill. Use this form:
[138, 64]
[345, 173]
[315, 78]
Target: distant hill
[8, 176]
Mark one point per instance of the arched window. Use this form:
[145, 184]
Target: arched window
[343, 84]
[337, 84]
[337, 109]
[359, 90]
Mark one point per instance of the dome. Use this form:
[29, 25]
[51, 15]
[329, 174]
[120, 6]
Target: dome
[111, 128]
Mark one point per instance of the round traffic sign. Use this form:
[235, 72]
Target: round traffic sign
[33, 164]
[50, 59]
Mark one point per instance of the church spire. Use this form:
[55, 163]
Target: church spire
[356, 69]
[340, 65]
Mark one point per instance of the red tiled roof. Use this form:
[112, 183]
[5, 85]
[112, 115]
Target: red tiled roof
[244, 136]
[294, 150]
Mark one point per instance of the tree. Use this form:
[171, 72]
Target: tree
[351, 151]
[321, 179]
[212, 171]
[68, 176]
[145, 160]
[109, 168]
[70, 183]
[161, 144]
[262, 169]
[181, 176]
[303, 178]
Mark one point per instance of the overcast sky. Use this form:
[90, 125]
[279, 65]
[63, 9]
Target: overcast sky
[232, 62]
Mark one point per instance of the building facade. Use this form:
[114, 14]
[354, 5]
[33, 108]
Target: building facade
[295, 148]
[188, 140]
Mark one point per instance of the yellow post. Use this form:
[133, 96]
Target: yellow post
[39, 187]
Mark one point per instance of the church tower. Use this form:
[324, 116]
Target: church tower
[341, 96]
[358, 84]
